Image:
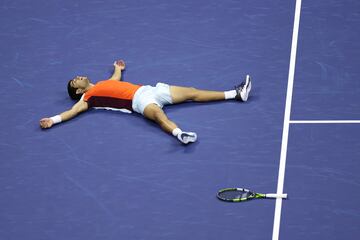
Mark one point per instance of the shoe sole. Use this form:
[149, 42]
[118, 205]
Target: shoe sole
[247, 88]
[190, 139]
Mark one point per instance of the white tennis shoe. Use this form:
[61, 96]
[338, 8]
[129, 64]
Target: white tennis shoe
[243, 90]
[187, 137]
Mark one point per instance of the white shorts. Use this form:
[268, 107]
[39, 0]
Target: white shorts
[145, 95]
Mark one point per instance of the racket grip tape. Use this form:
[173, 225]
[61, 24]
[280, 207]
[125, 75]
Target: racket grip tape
[275, 195]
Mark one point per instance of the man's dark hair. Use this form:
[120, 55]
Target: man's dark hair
[72, 92]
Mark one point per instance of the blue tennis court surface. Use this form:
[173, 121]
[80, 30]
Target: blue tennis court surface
[322, 163]
[108, 175]
[323, 181]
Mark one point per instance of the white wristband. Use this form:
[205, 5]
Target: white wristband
[56, 119]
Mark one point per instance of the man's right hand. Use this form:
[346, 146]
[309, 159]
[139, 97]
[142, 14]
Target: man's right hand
[46, 123]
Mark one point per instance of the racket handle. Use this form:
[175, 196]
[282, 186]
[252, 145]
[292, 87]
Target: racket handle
[275, 195]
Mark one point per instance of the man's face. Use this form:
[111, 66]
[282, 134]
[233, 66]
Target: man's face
[80, 82]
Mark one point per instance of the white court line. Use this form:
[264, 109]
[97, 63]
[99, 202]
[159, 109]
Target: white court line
[324, 121]
[284, 143]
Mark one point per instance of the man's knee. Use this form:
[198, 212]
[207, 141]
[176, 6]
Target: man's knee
[152, 112]
[193, 93]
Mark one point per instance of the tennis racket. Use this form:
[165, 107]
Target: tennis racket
[242, 194]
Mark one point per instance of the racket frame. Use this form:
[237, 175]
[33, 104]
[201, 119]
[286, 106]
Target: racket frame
[252, 195]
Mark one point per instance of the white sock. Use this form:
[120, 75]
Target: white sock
[176, 132]
[230, 94]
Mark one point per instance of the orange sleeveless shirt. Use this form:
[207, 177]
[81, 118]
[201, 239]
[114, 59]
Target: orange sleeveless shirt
[111, 94]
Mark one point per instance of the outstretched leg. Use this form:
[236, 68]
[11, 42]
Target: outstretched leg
[182, 94]
[156, 114]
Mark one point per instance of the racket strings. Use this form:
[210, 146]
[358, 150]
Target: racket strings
[235, 194]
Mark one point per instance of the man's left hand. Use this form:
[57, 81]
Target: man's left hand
[120, 64]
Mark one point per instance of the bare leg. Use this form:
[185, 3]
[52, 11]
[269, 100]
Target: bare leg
[182, 94]
[156, 114]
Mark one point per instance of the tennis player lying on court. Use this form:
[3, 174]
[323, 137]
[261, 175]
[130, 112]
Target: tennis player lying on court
[114, 94]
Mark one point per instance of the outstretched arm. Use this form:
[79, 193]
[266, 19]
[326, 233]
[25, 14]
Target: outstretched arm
[119, 65]
[79, 107]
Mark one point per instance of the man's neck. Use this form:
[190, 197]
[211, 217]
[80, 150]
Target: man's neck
[89, 87]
